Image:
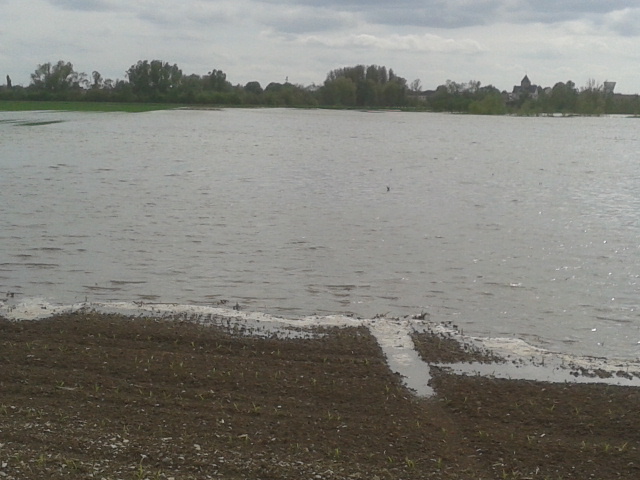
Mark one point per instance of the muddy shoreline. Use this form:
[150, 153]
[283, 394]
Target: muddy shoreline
[88, 395]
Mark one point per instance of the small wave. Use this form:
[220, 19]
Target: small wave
[342, 287]
[613, 320]
[98, 288]
[30, 265]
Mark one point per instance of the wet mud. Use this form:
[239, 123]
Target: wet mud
[88, 395]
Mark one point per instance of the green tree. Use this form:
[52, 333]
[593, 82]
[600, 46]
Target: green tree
[355, 74]
[458, 97]
[340, 91]
[364, 86]
[563, 98]
[287, 94]
[154, 80]
[98, 81]
[416, 86]
[253, 87]
[623, 104]
[394, 93]
[216, 80]
[377, 74]
[57, 78]
[367, 93]
[490, 104]
[591, 99]
[191, 88]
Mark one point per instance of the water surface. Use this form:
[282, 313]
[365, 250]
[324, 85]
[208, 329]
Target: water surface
[520, 227]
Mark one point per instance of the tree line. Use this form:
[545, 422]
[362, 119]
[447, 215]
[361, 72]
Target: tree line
[563, 98]
[159, 81]
[357, 86]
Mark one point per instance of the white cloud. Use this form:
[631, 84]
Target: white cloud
[193, 14]
[410, 43]
[625, 22]
[494, 41]
[463, 13]
[298, 20]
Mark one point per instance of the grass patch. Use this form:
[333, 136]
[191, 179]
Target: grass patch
[20, 106]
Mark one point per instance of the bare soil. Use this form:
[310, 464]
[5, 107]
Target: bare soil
[110, 397]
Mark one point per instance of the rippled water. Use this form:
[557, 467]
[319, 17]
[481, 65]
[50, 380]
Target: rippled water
[521, 227]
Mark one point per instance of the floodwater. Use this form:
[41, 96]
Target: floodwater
[524, 228]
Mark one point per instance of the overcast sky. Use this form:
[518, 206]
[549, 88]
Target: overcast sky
[495, 42]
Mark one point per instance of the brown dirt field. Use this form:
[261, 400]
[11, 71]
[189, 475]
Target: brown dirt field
[110, 397]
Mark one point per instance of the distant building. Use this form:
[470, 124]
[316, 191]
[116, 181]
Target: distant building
[608, 87]
[525, 89]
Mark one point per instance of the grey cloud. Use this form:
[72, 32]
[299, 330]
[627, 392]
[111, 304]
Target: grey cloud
[436, 14]
[553, 11]
[432, 13]
[624, 22]
[82, 5]
[397, 43]
[299, 16]
[304, 21]
[463, 13]
[186, 15]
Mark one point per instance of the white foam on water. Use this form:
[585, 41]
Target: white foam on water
[392, 335]
[34, 309]
[523, 361]
[516, 349]
[544, 373]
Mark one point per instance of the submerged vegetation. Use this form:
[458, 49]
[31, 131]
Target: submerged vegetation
[20, 105]
[153, 85]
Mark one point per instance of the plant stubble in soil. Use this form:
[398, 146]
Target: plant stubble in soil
[98, 396]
